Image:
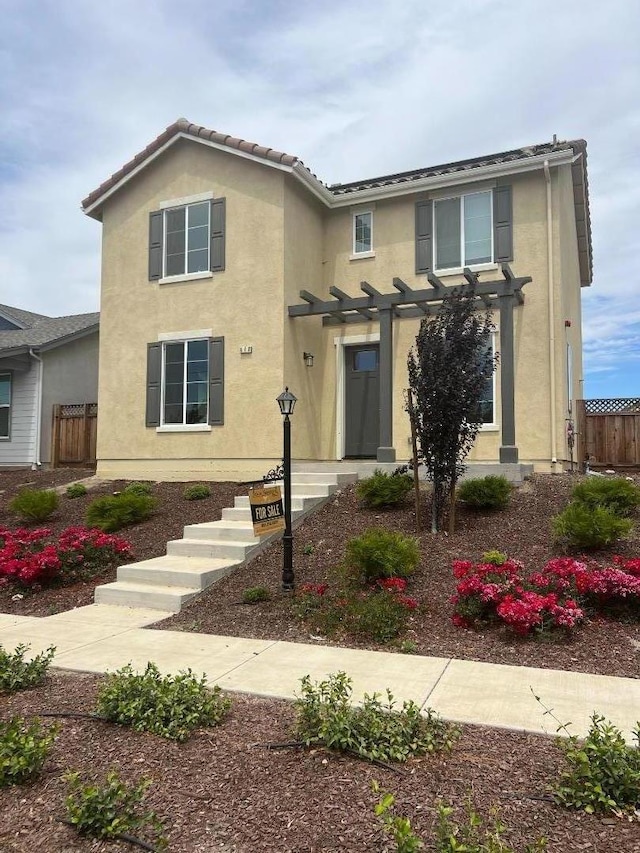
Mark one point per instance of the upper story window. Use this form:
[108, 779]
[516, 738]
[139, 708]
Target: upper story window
[186, 231]
[362, 232]
[5, 405]
[463, 231]
[187, 239]
[185, 382]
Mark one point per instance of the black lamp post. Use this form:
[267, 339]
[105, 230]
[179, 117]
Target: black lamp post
[287, 402]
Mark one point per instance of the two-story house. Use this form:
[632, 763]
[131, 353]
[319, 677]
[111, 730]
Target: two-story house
[229, 271]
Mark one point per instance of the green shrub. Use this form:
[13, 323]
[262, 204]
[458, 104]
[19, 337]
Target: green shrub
[76, 490]
[495, 558]
[138, 489]
[381, 554]
[24, 747]
[111, 810]
[34, 504]
[583, 527]
[255, 594]
[474, 836]
[382, 489]
[113, 512]
[379, 616]
[617, 494]
[374, 729]
[604, 771]
[485, 492]
[197, 492]
[18, 674]
[399, 828]
[169, 706]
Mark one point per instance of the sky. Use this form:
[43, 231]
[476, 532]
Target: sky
[355, 89]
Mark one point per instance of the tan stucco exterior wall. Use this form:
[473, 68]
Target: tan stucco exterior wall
[280, 240]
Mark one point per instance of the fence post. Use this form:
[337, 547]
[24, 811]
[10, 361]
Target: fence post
[55, 436]
[86, 435]
[581, 428]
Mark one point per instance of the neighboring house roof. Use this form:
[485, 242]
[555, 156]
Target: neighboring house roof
[43, 332]
[21, 318]
[517, 159]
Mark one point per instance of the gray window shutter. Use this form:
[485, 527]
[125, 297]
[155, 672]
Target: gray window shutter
[502, 224]
[216, 381]
[424, 227]
[217, 234]
[155, 244]
[154, 374]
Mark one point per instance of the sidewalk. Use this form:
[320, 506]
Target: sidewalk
[101, 638]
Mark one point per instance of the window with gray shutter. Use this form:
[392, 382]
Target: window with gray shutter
[187, 239]
[502, 224]
[424, 218]
[216, 381]
[154, 377]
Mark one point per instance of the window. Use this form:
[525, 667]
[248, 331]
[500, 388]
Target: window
[186, 231]
[185, 382]
[463, 231]
[5, 404]
[187, 239]
[362, 232]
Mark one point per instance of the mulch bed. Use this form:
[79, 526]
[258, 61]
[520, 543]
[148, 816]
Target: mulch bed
[147, 540]
[523, 531]
[221, 791]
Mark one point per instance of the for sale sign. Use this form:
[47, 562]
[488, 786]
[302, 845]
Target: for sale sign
[267, 513]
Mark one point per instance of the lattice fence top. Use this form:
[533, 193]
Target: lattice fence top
[77, 410]
[613, 406]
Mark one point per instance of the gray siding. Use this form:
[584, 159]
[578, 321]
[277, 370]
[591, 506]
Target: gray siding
[20, 448]
[70, 376]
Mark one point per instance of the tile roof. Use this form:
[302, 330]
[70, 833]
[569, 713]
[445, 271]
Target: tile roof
[43, 331]
[182, 125]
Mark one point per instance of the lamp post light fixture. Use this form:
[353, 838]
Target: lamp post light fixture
[287, 402]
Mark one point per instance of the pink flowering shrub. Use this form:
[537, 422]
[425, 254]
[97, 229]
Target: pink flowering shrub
[34, 558]
[555, 597]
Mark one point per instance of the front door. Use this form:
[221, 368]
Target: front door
[362, 401]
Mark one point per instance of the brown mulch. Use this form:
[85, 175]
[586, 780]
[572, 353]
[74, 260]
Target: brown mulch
[147, 540]
[222, 791]
[523, 531]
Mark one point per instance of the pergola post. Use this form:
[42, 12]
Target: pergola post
[508, 448]
[386, 452]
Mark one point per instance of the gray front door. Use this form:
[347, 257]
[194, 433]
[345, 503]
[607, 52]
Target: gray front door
[362, 401]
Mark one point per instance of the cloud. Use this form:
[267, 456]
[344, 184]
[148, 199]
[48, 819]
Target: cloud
[355, 89]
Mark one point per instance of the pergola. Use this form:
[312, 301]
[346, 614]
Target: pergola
[404, 302]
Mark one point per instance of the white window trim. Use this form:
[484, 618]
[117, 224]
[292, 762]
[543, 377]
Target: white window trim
[369, 253]
[190, 199]
[340, 344]
[361, 256]
[487, 265]
[8, 405]
[494, 426]
[184, 276]
[191, 276]
[183, 427]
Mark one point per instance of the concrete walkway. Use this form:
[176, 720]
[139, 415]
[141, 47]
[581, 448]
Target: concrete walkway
[101, 638]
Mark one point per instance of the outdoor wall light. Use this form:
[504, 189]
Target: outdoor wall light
[308, 358]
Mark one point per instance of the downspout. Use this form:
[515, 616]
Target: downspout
[552, 319]
[37, 464]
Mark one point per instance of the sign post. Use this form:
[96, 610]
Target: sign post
[267, 513]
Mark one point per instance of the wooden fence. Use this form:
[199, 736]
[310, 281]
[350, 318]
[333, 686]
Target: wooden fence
[73, 435]
[609, 432]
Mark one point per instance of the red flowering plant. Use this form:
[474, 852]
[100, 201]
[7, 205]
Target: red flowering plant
[34, 558]
[555, 597]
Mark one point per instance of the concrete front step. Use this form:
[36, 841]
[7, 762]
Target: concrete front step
[333, 478]
[238, 531]
[152, 597]
[209, 548]
[192, 572]
[298, 504]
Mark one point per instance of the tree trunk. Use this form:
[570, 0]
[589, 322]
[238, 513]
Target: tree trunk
[435, 506]
[414, 448]
[452, 507]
